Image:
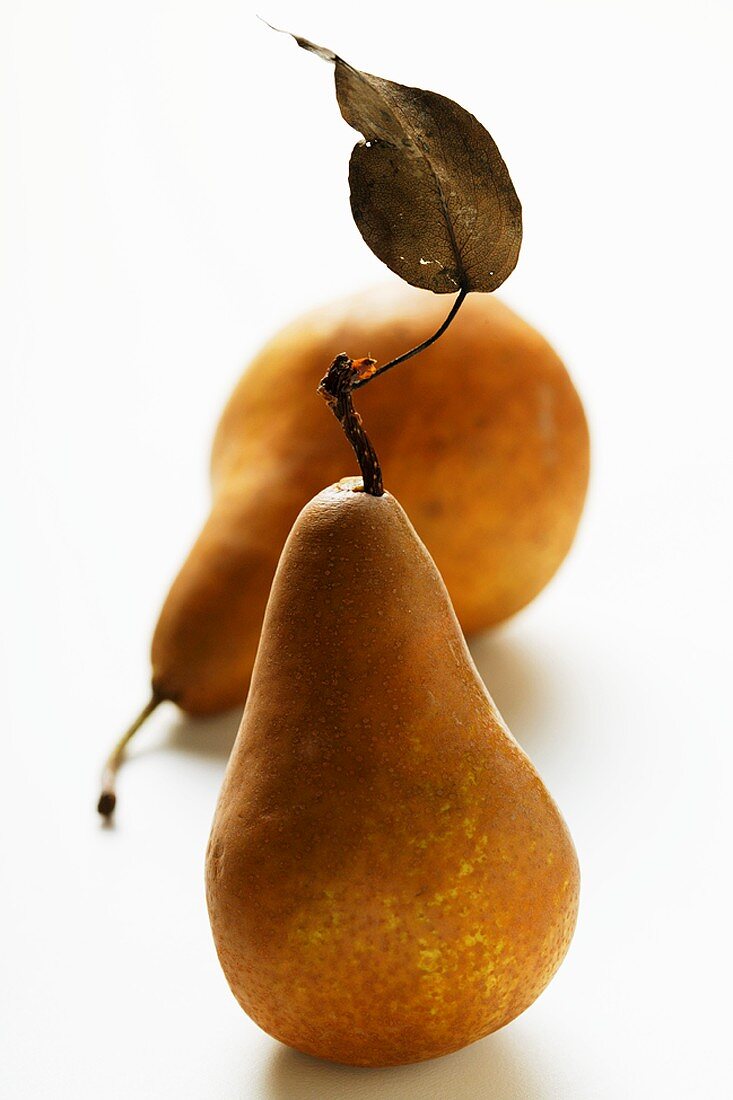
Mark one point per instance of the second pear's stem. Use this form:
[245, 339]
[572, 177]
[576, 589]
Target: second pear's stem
[343, 374]
[108, 798]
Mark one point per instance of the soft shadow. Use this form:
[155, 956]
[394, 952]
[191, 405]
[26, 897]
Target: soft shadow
[520, 681]
[211, 737]
[488, 1070]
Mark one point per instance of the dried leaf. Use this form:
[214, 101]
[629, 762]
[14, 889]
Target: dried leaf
[430, 192]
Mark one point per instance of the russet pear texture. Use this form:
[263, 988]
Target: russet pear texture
[484, 439]
[387, 877]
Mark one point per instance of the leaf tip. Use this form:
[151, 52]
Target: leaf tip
[304, 43]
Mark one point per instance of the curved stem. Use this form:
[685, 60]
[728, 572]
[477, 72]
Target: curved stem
[420, 347]
[108, 798]
[336, 386]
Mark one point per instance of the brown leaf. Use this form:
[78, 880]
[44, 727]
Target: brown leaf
[430, 192]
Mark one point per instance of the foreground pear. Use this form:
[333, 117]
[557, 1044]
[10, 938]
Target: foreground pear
[387, 877]
[489, 410]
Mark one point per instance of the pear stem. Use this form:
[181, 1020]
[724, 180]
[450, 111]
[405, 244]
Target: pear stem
[335, 387]
[108, 798]
[345, 375]
[420, 347]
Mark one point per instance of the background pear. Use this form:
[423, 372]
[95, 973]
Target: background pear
[485, 441]
[387, 877]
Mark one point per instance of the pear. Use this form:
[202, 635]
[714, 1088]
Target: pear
[508, 450]
[388, 878]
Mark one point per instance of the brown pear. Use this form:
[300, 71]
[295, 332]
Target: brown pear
[488, 413]
[486, 445]
[388, 879]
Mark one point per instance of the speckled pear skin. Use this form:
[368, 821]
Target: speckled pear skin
[388, 879]
[488, 413]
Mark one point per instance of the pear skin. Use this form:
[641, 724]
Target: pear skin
[489, 412]
[388, 878]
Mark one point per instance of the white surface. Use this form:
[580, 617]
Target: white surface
[173, 187]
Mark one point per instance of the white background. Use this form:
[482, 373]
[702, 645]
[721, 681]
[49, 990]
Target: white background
[173, 186]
